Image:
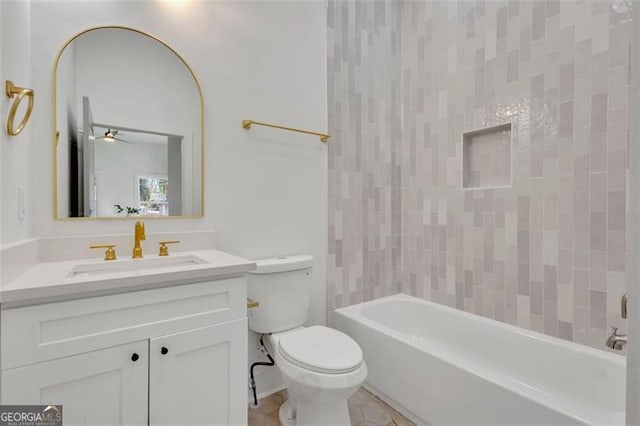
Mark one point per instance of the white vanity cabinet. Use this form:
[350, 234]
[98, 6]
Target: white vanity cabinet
[198, 377]
[100, 387]
[173, 355]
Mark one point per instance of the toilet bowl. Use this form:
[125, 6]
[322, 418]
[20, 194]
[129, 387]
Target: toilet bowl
[321, 368]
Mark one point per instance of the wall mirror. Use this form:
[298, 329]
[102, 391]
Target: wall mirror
[128, 128]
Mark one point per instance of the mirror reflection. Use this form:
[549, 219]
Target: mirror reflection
[129, 128]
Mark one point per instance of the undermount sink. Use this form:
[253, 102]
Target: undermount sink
[133, 265]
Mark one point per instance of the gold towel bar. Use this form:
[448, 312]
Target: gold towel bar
[246, 124]
[11, 90]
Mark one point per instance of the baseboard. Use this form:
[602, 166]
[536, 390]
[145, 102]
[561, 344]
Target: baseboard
[396, 406]
[270, 392]
[262, 395]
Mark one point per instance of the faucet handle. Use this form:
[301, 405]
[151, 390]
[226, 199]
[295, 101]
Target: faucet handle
[110, 254]
[164, 250]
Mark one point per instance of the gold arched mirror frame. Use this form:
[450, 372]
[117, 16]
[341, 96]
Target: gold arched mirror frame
[56, 132]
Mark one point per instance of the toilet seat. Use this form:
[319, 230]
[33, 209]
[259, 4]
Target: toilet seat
[321, 349]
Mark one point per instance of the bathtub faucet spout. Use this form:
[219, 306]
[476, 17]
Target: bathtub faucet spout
[616, 341]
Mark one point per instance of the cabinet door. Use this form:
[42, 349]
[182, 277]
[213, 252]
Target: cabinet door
[199, 376]
[105, 387]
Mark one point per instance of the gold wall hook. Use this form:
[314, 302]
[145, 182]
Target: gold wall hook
[251, 304]
[11, 91]
[246, 124]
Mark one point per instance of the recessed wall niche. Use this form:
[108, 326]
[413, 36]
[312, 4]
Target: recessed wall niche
[486, 156]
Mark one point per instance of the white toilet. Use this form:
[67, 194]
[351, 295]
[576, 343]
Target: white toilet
[321, 367]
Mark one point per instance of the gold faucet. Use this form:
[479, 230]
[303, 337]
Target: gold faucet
[138, 234]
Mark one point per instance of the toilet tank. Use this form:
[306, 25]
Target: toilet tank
[282, 287]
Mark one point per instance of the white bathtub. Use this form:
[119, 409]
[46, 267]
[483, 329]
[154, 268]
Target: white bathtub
[443, 366]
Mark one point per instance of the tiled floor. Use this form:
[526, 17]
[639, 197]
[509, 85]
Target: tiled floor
[364, 408]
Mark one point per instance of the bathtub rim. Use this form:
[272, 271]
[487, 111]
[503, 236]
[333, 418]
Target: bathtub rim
[548, 400]
[573, 346]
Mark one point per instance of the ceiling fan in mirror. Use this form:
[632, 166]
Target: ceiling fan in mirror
[110, 136]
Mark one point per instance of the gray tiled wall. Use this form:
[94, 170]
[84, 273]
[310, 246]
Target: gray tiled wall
[546, 254]
[364, 123]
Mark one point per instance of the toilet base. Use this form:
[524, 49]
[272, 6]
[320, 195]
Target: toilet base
[315, 398]
[314, 413]
[286, 414]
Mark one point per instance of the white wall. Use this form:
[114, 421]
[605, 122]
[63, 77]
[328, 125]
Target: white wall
[3, 136]
[134, 81]
[117, 166]
[265, 190]
[16, 152]
[67, 107]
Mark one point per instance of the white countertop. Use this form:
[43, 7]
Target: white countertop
[50, 281]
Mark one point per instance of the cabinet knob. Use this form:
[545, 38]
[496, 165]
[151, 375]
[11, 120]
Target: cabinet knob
[135, 357]
[164, 351]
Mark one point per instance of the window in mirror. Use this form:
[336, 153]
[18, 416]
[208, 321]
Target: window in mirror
[152, 195]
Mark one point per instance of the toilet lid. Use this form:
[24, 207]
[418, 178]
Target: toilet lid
[321, 349]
